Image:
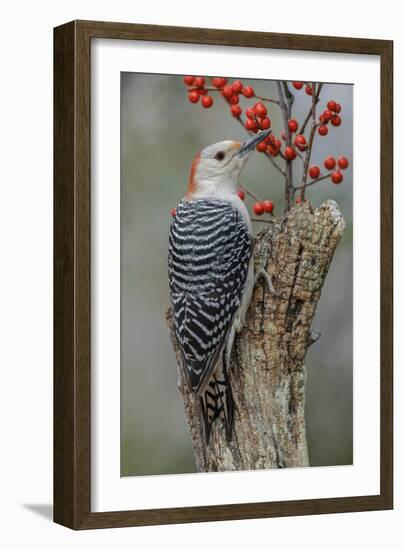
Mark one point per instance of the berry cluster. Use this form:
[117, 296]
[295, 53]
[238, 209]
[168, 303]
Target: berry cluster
[230, 92]
[330, 164]
[256, 118]
[270, 145]
[331, 114]
[197, 89]
[260, 207]
[293, 143]
[300, 85]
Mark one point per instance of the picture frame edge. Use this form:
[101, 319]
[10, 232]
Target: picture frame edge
[72, 276]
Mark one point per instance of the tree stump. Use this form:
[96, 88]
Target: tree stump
[268, 373]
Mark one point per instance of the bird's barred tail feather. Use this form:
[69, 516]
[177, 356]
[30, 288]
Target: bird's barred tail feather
[217, 403]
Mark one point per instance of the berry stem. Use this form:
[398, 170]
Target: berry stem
[250, 193]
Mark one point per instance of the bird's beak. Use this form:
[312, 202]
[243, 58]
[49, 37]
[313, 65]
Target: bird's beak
[251, 142]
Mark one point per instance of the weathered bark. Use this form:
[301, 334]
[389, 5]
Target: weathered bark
[268, 373]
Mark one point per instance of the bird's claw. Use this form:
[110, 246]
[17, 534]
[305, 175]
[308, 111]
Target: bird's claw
[313, 336]
[262, 273]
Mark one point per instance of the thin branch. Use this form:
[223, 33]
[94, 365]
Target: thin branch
[268, 99]
[263, 220]
[287, 92]
[274, 163]
[286, 111]
[312, 182]
[213, 89]
[311, 138]
[308, 116]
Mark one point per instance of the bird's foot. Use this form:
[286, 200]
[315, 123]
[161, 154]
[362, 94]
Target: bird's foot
[313, 336]
[262, 273]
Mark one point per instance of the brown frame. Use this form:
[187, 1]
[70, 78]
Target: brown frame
[72, 320]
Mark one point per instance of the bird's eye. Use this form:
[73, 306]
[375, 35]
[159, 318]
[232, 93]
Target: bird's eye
[220, 155]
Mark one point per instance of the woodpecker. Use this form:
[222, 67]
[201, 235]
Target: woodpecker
[211, 274]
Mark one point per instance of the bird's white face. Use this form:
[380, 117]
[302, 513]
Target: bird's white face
[215, 171]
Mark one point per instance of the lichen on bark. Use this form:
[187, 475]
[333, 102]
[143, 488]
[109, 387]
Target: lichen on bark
[268, 373]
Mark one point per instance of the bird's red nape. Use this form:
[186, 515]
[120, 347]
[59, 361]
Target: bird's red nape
[192, 177]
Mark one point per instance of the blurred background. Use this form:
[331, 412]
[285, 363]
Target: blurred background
[161, 133]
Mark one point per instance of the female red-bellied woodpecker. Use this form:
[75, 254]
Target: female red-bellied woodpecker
[211, 274]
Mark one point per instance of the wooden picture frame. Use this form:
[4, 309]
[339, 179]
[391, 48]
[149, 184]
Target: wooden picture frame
[72, 269]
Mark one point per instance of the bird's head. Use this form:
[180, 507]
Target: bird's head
[216, 169]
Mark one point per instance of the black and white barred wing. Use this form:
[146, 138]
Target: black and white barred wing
[209, 254]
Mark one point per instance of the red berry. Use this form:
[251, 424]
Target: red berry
[218, 82]
[248, 91]
[342, 162]
[188, 80]
[202, 91]
[272, 150]
[332, 105]
[298, 200]
[292, 125]
[207, 101]
[268, 206]
[261, 147]
[258, 208]
[241, 194]
[250, 124]
[265, 123]
[290, 153]
[300, 142]
[236, 110]
[297, 85]
[234, 99]
[337, 176]
[322, 130]
[260, 110]
[308, 89]
[227, 91]
[250, 112]
[335, 120]
[327, 115]
[199, 82]
[194, 96]
[338, 108]
[237, 86]
[314, 172]
[329, 163]
[173, 212]
[277, 143]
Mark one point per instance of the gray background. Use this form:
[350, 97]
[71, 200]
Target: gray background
[161, 133]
